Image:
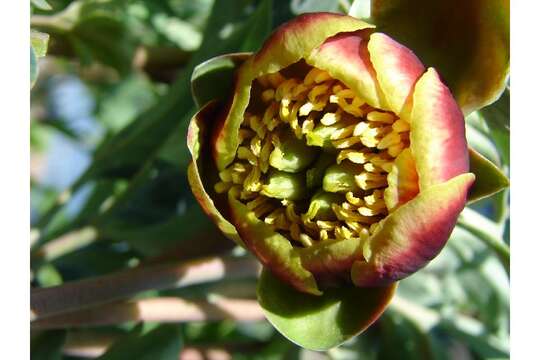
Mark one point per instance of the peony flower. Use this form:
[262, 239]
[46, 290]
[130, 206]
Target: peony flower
[340, 160]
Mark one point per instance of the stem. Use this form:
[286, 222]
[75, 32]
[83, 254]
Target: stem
[50, 23]
[162, 310]
[99, 290]
[65, 244]
[487, 231]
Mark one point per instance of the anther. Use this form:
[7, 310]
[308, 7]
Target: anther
[380, 117]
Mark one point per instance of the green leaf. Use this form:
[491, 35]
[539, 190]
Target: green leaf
[489, 178]
[41, 4]
[48, 345]
[497, 119]
[259, 25]
[139, 142]
[320, 322]
[213, 79]
[48, 275]
[103, 39]
[39, 42]
[38, 48]
[133, 149]
[95, 31]
[163, 343]
[403, 339]
[360, 9]
[305, 6]
[33, 67]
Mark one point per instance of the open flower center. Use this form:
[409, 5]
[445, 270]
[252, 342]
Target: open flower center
[314, 158]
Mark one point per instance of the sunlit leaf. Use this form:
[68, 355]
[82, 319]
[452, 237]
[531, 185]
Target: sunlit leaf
[41, 4]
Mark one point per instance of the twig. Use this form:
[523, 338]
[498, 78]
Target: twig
[85, 293]
[65, 244]
[162, 309]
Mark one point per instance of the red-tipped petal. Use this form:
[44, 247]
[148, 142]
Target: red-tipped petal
[397, 69]
[437, 136]
[345, 56]
[290, 43]
[402, 181]
[296, 39]
[413, 234]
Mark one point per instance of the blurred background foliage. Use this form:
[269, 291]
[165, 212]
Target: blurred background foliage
[110, 109]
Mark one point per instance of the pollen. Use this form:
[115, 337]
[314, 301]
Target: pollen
[328, 182]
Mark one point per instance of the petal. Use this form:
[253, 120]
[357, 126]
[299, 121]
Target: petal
[413, 234]
[288, 44]
[345, 56]
[467, 41]
[297, 38]
[201, 168]
[402, 181]
[332, 259]
[437, 132]
[397, 69]
[271, 248]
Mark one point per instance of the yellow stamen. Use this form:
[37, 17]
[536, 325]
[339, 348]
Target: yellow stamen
[352, 199]
[306, 240]
[306, 108]
[326, 225]
[245, 153]
[369, 212]
[355, 156]
[268, 95]
[291, 215]
[390, 139]
[367, 181]
[347, 142]
[275, 79]
[396, 149]
[295, 231]
[221, 187]
[257, 202]
[380, 117]
[256, 125]
[400, 126]
[323, 235]
[362, 134]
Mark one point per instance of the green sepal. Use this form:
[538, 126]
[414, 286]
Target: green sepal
[214, 78]
[489, 178]
[325, 321]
